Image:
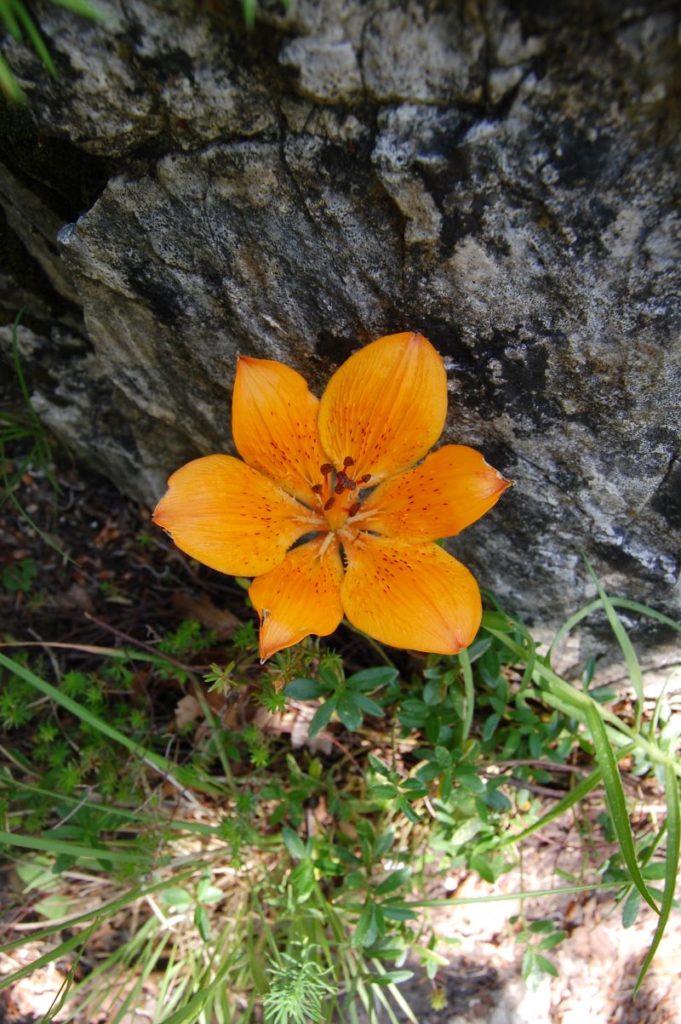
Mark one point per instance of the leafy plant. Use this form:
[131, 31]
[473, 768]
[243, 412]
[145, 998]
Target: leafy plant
[298, 986]
[256, 876]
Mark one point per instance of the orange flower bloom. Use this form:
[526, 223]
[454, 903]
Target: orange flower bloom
[335, 475]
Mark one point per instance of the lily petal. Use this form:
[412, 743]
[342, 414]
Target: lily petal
[230, 517]
[450, 490]
[299, 597]
[385, 407]
[413, 596]
[274, 424]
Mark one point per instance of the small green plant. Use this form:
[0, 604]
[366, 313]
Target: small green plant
[538, 938]
[348, 698]
[298, 987]
[19, 576]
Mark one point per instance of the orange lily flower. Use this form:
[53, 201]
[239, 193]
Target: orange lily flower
[340, 474]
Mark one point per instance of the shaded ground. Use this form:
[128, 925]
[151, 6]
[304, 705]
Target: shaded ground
[121, 578]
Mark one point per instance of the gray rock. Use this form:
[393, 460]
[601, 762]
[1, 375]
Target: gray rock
[499, 176]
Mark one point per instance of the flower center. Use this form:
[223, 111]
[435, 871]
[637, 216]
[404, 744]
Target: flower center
[336, 489]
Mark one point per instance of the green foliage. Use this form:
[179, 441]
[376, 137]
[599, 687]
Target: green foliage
[289, 880]
[298, 986]
[19, 576]
[189, 637]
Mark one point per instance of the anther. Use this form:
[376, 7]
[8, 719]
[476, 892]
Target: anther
[348, 461]
[364, 479]
[329, 504]
[327, 468]
[341, 482]
[354, 508]
[317, 488]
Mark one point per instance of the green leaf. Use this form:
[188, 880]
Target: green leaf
[249, 8]
[75, 850]
[498, 621]
[304, 689]
[382, 791]
[615, 798]
[672, 867]
[9, 84]
[398, 912]
[208, 893]
[407, 810]
[545, 965]
[85, 9]
[294, 844]
[373, 678]
[390, 978]
[55, 907]
[176, 896]
[302, 879]
[349, 713]
[384, 843]
[471, 782]
[202, 922]
[321, 717]
[36, 39]
[469, 691]
[434, 692]
[490, 726]
[630, 909]
[626, 646]
[497, 800]
[394, 880]
[551, 941]
[379, 766]
[484, 867]
[465, 832]
[366, 931]
[443, 757]
[368, 706]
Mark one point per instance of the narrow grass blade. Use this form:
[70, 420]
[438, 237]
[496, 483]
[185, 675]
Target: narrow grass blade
[626, 646]
[9, 20]
[73, 942]
[249, 8]
[562, 695]
[504, 897]
[83, 8]
[36, 39]
[469, 693]
[581, 790]
[614, 793]
[617, 602]
[671, 869]
[105, 910]
[9, 84]
[120, 813]
[62, 846]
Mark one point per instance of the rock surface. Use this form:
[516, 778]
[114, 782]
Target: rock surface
[500, 176]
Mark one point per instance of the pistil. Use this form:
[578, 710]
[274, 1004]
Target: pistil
[335, 482]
